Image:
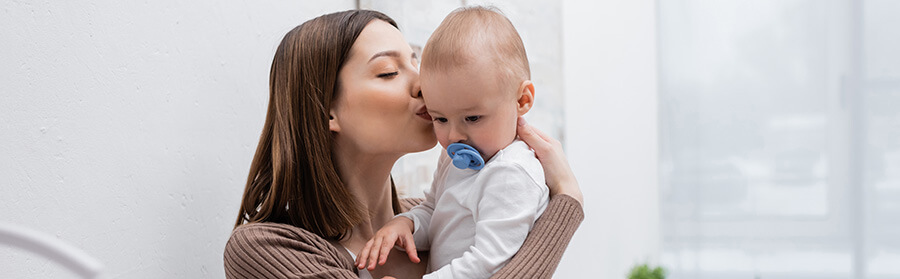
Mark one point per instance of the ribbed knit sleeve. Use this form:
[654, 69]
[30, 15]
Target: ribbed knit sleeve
[407, 203]
[548, 239]
[270, 250]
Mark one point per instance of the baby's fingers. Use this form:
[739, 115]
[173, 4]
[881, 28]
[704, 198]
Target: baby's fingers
[386, 247]
[373, 254]
[410, 245]
[364, 255]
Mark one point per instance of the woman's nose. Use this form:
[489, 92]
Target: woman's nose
[416, 90]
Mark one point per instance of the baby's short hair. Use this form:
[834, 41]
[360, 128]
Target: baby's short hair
[477, 27]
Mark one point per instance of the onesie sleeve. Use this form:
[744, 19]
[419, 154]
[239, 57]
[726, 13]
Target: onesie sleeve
[507, 203]
[546, 242]
[421, 214]
[421, 217]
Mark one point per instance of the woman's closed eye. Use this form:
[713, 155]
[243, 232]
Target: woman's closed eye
[388, 75]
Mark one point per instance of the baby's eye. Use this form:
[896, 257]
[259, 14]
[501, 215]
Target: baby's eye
[440, 119]
[472, 118]
[387, 75]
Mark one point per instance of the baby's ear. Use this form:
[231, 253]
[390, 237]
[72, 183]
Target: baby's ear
[525, 98]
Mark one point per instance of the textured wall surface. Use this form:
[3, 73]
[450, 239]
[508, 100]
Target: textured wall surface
[127, 129]
[611, 134]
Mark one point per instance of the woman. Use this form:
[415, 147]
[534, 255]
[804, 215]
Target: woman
[344, 106]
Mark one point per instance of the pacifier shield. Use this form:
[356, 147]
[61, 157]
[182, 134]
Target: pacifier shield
[465, 156]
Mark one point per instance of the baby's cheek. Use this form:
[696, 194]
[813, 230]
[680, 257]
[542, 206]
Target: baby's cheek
[494, 143]
[441, 136]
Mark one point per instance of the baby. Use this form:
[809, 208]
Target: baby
[475, 80]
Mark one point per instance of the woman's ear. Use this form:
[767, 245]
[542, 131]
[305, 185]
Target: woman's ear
[525, 97]
[332, 122]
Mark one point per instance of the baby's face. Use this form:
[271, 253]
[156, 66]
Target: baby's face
[470, 105]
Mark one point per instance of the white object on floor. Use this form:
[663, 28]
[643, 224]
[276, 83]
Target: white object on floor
[52, 248]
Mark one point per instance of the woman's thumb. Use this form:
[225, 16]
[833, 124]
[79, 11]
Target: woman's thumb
[524, 130]
[528, 134]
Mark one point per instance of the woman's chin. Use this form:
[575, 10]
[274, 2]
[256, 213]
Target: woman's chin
[427, 142]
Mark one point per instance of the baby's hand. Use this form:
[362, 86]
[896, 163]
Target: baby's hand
[398, 231]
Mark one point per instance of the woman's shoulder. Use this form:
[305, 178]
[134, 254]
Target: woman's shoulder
[273, 232]
[277, 236]
[280, 250]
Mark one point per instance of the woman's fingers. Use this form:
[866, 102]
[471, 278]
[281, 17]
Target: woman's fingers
[540, 133]
[533, 137]
[543, 145]
[557, 172]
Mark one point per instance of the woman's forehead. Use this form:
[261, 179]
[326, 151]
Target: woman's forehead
[379, 39]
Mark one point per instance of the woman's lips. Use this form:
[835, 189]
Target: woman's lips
[423, 113]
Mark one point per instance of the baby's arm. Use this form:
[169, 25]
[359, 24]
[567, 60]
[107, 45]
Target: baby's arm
[420, 216]
[398, 232]
[408, 230]
[506, 208]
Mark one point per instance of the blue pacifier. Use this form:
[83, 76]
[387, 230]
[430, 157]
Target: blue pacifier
[464, 156]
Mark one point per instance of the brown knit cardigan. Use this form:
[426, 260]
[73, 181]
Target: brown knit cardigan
[271, 250]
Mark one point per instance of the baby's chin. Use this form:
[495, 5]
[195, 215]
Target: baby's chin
[485, 155]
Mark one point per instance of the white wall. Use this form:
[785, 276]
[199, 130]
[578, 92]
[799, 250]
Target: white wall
[127, 128]
[610, 70]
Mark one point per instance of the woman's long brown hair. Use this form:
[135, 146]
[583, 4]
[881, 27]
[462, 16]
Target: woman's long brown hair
[293, 177]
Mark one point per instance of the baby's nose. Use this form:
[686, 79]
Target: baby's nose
[457, 136]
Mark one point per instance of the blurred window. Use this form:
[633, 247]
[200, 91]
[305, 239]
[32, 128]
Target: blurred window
[780, 138]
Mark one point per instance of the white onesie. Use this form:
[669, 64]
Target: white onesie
[473, 222]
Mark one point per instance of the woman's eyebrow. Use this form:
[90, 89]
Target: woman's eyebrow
[391, 53]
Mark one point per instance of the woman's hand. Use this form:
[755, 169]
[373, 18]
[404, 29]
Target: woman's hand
[397, 231]
[557, 173]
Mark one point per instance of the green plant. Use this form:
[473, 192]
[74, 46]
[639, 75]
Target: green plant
[644, 271]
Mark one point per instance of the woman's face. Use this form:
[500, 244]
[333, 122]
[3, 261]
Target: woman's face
[379, 108]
